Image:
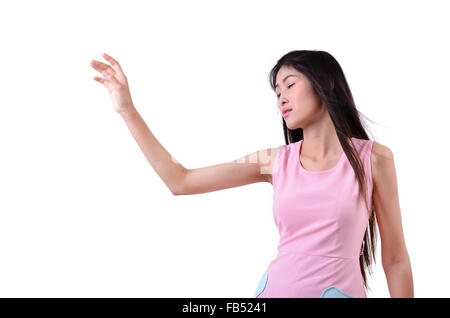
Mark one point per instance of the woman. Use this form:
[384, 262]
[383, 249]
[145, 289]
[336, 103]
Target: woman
[328, 180]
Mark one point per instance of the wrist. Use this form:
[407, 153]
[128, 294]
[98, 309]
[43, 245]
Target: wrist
[128, 112]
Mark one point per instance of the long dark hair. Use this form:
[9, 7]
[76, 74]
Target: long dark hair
[329, 82]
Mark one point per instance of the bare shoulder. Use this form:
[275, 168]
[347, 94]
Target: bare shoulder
[382, 161]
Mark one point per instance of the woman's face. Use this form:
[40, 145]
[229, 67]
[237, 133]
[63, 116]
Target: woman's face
[297, 94]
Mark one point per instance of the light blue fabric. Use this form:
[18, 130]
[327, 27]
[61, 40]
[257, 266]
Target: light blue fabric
[261, 285]
[334, 292]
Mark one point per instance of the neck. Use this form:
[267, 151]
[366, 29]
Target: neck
[320, 140]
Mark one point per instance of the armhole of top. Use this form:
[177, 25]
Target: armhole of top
[369, 170]
[276, 161]
[369, 159]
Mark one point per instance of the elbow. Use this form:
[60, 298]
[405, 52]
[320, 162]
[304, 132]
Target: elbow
[179, 187]
[177, 191]
[388, 263]
[174, 192]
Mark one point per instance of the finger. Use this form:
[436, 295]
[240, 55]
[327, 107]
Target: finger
[108, 73]
[99, 79]
[113, 62]
[109, 77]
[100, 67]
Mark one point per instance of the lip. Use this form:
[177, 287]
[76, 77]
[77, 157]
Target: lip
[286, 112]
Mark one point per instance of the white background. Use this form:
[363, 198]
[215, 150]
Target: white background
[82, 212]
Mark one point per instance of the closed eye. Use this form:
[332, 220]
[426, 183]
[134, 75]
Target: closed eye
[287, 87]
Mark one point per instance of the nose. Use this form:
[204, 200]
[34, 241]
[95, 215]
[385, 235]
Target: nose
[282, 101]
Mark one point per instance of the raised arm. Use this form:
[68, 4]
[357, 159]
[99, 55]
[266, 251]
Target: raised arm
[254, 167]
[171, 172]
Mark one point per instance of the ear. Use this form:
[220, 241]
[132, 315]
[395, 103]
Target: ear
[332, 84]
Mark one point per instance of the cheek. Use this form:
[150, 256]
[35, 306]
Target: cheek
[302, 99]
[302, 92]
[308, 100]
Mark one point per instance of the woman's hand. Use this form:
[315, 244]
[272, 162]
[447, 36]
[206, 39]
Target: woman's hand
[116, 82]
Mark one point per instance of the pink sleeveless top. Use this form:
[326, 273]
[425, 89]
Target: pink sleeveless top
[321, 221]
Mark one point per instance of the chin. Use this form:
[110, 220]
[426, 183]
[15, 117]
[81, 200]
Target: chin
[292, 126]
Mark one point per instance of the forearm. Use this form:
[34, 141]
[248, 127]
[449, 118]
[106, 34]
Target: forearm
[171, 172]
[399, 279]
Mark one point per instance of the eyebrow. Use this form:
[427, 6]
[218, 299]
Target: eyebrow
[285, 79]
